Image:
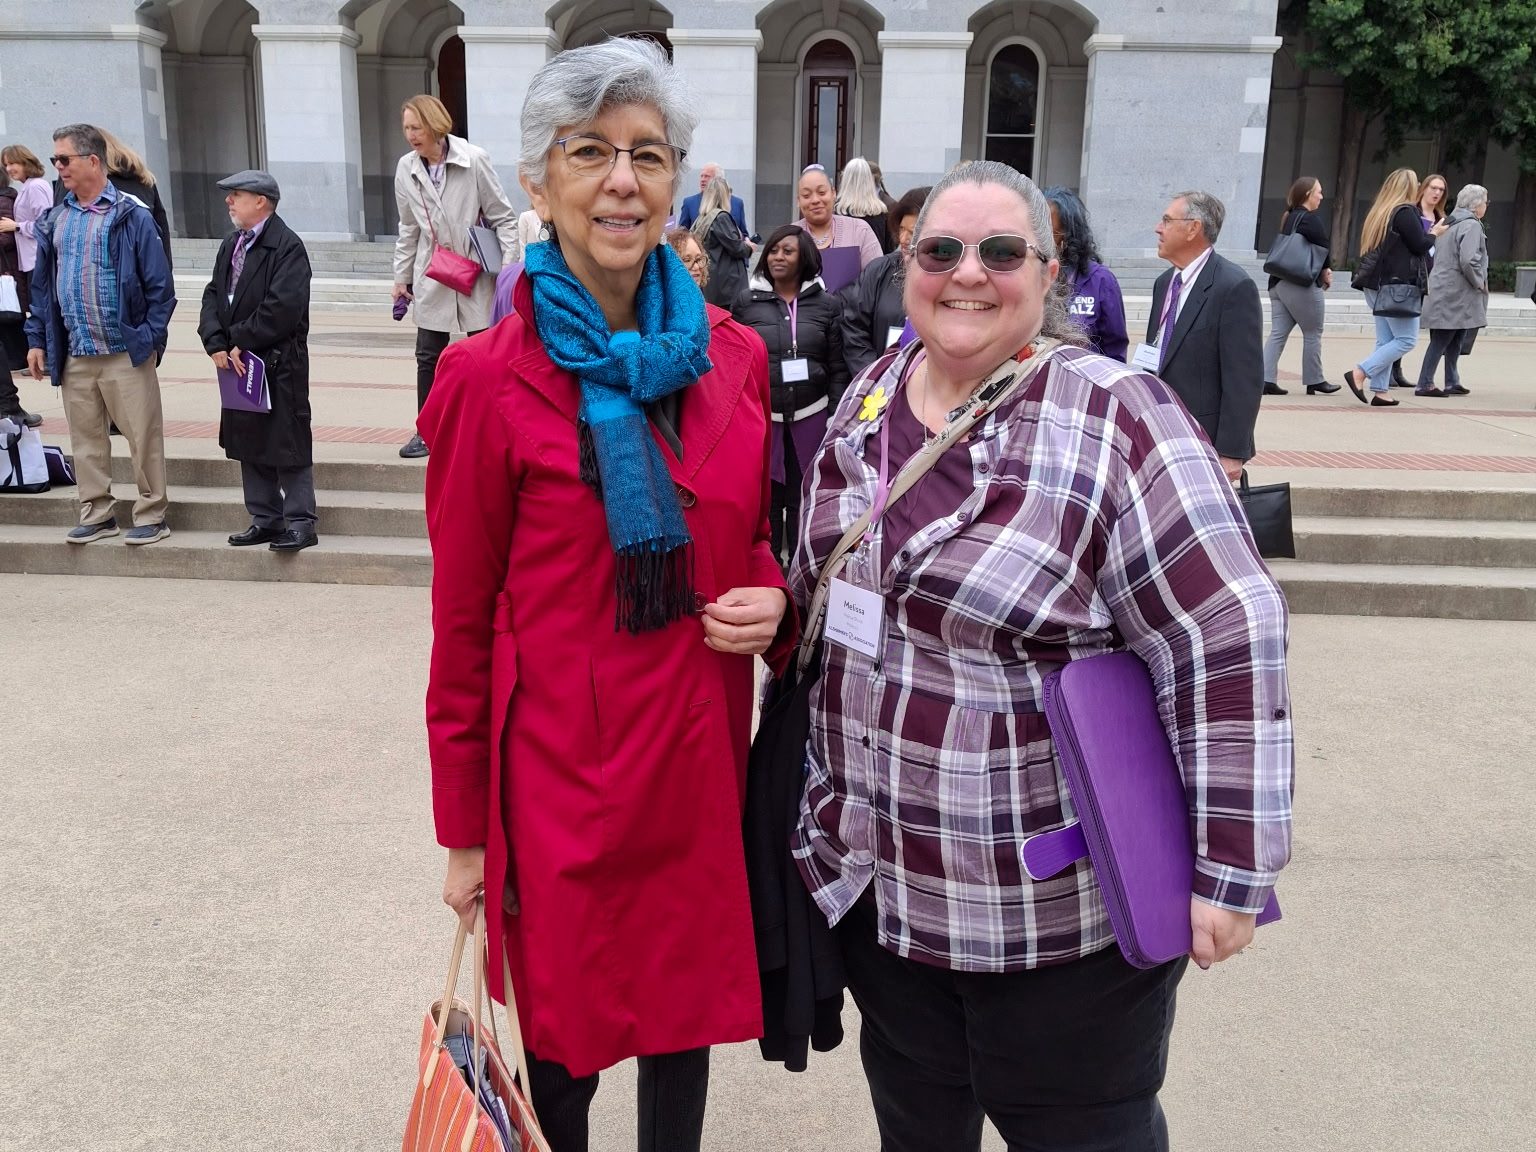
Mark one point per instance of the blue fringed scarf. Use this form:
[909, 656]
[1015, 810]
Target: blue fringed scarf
[620, 373]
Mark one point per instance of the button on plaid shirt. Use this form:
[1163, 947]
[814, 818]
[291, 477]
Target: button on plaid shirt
[1100, 520]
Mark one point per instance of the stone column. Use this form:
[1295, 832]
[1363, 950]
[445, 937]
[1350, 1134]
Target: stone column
[124, 92]
[922, 105]
[721, 66]
[498, 64]
[1144, 96]
[313, 129]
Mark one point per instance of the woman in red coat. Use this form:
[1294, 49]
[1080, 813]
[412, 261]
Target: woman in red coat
[597, 499]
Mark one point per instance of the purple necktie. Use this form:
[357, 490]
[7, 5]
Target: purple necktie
[1171, 311]
[237, 260]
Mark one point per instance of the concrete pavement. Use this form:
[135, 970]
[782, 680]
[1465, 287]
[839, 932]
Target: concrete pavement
[222, 925]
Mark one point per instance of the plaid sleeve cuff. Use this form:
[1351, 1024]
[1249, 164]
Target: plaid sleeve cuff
[1235, 889]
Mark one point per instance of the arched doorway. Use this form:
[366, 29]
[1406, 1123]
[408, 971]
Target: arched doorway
[828, 75]
[452, 88]
[1013, 111]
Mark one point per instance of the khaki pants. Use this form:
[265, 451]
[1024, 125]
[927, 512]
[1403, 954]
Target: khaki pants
[102, 389]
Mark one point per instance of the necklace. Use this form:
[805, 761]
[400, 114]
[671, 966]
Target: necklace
[820, 243]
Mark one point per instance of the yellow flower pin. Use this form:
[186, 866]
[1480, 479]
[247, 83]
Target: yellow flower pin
[873, 403]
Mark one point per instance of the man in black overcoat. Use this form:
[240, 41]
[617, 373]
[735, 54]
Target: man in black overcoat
[258, 303]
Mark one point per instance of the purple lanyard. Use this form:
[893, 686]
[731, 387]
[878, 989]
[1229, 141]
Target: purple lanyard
[794, 339]
[883, 492]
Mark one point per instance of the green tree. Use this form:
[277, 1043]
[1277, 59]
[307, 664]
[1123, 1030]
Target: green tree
[1393, 56]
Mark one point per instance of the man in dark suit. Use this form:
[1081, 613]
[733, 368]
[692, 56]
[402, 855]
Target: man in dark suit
[1205, 332]
[690, 211]
[258, 305]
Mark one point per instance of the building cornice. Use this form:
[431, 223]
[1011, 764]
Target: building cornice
[136, 32]
[1254, 45]
[308, 33]
[717, 37]
[497, 34]
[951, 40]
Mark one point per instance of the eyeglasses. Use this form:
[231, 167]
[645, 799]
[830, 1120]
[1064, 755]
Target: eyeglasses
[63, 161]
[997, 253]
[594, 156]
[1178, 220]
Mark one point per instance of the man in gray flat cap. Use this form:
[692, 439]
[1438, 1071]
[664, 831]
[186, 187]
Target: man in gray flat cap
[258, 305]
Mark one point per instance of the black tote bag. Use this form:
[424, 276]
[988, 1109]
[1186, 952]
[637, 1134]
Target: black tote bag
[1295, 258]
[1268, 508]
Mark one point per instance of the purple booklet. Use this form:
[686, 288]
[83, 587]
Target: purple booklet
[246, 393]
[1133, 816]
[839, 267]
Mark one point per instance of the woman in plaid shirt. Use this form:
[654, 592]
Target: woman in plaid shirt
[1086, 513]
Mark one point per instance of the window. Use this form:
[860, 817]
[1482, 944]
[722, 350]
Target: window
[1013, 105]
[828, 77]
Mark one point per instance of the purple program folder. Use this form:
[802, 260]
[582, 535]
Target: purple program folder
[839, 268]
[1133, 817]
[246, 393]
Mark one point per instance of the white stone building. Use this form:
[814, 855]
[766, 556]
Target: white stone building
[1126, 100]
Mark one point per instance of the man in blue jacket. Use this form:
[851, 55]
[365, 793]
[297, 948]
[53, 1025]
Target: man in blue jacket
[102, 298]
[691, 204]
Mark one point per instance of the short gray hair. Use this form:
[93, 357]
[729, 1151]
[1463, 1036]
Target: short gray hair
[579, 85]
[85, 139]
[1204, 207]
[1056, 323]
[1471, 195]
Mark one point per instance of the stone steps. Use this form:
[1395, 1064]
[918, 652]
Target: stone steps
[1443, 592]
[1452, 543]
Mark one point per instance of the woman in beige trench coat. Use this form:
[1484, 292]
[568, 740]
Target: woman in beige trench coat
[443, 184]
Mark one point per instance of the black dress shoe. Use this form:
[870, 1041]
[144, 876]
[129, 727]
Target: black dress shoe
[1275, 390]
[256, 535]
[1349, 379]
[22, 416]
[295, 539]
[415, 448]
[1376, 402]
[1458, 390]
[1324, 389]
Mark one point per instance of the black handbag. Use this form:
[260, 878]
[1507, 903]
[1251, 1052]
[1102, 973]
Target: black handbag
[1468, 338]
[1295, 258]
[1268, 508]
[1399, 300]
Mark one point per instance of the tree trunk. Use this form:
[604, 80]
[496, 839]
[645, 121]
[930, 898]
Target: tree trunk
[1477, 163]
[1524, 246]
[1351, 147]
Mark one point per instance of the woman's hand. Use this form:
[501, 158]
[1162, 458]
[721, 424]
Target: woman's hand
[745, 620]
[465, 882]
[1439, 229]
[8, 225]
[1327, 278]
[401, 290]
[1218, 933]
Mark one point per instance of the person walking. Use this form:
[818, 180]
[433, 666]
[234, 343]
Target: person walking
[33, 198]
[257, 304]
[444, 186]
[1085, 513]
[1393, 232]
[1300, 305]
[816, 197]
[1458, 291]
[1431, 204]
[801, 325]
[874, 313]
[724, 245]
[1094, 299]
[597, 503]
[858, 196]
[102, 298]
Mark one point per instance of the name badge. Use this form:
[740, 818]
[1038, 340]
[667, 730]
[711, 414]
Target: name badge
[854, 617]
[893, 334]
[795, 370]
[1148, 357]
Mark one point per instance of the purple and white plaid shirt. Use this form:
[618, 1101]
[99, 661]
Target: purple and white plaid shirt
[1099, 518]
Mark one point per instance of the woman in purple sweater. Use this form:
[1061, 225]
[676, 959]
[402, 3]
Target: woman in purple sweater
[1093, 294]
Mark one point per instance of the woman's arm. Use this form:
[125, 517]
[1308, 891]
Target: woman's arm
[1312, 227]
[869, 245]
[1405, 221]
[409, 236]
[32, 204]
[1109, 322]
[1192, 598]
[1472, 255]
[495, 208]
[471, 502]
[724, 232]
[837, 366]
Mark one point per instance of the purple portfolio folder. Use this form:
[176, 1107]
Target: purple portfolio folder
[246, 393]
[839, 268]
[1133, 817]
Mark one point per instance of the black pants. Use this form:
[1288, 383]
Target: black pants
[429, 347]
[279, 497]
[784, 504]
[672, 1090]
[1444, 342]
[1066, 1058]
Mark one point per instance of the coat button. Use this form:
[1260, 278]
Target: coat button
[699, 600]
[686, 498]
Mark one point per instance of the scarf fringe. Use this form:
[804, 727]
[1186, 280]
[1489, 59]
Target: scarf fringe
[586, 459]
[654, 588]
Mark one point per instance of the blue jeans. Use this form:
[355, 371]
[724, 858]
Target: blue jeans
[1395, 338]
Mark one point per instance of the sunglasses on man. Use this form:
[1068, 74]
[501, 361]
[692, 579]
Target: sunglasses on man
[63, 160]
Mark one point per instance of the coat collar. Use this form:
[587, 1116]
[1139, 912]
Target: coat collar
[255, 257]
[707, 406]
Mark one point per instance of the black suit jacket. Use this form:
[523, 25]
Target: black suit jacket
[270, 317]
[1214, 360]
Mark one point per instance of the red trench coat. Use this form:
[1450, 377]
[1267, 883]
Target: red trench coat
[613, 765]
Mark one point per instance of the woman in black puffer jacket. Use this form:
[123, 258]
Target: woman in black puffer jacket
[801, 324]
